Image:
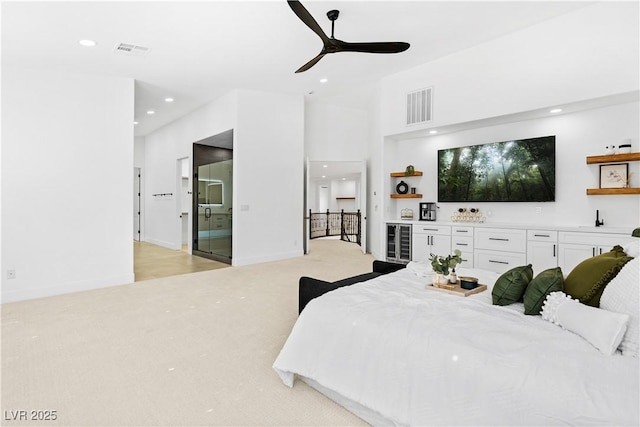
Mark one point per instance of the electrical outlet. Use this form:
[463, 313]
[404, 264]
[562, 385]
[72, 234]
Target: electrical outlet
[11, 274]
[538, 210]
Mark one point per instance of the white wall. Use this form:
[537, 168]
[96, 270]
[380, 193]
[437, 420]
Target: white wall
[163, 148]
[268, 177]
[267, 172]
[333, 132]
[67, 177]
[577, 135]
[589, 53]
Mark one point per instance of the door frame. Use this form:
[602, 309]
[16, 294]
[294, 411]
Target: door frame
[178, 199]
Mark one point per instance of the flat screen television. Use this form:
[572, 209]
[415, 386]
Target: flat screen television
[522, 170]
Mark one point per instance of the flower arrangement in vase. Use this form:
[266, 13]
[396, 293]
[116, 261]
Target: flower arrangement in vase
[441, 265]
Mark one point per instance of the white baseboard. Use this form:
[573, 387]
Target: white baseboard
[66, 288]
[236, 262]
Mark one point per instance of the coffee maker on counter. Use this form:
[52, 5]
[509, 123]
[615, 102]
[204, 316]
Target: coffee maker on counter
[427, 211]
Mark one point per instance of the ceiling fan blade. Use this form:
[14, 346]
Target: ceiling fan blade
[311, 63]
[374, 47]
[306, 17]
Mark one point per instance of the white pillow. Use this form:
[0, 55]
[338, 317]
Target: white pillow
[632, 248]
[621, 296]
[602, 329]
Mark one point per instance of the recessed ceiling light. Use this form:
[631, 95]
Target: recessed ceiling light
[324, 176]
[135, 123]
[324, 80]
[168, 100]
[433, 132]
[555, 110]
[151, 112]
[325, 166]
[344, 179]
[87, 43]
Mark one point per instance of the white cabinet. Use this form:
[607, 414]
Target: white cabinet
[499, 249]
[542, 249]
[430, 239]
[575, 247]
[462, 239]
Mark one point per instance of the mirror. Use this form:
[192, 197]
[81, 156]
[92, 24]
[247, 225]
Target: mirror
[210, 190]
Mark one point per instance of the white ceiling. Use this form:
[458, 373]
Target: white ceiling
[202, 50]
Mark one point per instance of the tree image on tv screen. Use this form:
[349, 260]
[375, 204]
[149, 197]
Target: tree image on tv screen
[510, 171]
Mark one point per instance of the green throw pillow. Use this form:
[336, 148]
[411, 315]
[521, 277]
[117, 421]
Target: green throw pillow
[543, 284]
[510, 287]
[587, 280]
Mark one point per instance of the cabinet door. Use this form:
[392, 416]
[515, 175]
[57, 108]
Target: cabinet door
[441, 245]
[420, 247]
[404, 242]
[542, 255]
[572, 254]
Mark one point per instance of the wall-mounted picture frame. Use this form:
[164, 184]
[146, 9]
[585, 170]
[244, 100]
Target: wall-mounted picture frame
[614, 175]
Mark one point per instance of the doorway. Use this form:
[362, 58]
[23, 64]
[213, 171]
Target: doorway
[213, 198]
[336, 188]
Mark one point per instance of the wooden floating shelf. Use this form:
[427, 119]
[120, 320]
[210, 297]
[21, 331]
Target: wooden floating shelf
[345, 198]
[603, 191]
[406, 196]
[628, 157]
[402, 174]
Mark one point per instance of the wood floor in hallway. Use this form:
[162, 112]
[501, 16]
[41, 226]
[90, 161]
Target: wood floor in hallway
[153, 261]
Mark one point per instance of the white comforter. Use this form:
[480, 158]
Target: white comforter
[422, 357]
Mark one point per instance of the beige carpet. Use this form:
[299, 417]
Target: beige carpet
[187, 350]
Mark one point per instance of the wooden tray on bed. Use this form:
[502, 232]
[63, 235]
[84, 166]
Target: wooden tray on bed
[457, 289]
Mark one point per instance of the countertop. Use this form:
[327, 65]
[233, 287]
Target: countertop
[528, 226]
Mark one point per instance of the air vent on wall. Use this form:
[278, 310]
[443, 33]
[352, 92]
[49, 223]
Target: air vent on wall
[131, 49]
[420, 106]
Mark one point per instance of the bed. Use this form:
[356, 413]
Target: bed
[397, 352]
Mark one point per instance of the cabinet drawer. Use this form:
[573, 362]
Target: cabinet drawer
[498, 261]
[462, 231]
[542, 235]
[432, 229]
[465, 244]
[498, 239]
[595, 239]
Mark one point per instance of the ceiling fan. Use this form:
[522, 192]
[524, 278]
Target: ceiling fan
[333, 45]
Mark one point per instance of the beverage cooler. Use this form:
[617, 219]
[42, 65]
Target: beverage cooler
[399, 243]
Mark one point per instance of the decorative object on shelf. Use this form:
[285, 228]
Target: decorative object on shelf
[441, 265]
[468, 215]
[410, 170]
[610, 149]
[622, 157]
[625, 147]
[402, 188]
[614, 175]
[413, 190]
[406, 214]
[428, 211]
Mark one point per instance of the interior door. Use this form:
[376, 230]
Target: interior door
[213, 201]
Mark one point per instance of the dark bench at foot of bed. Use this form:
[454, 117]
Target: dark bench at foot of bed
[310, 288]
